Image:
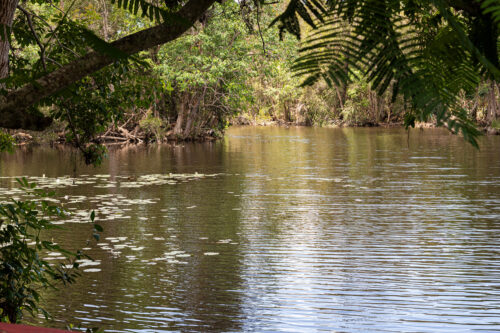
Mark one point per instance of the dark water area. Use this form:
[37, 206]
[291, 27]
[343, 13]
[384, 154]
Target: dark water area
[280, 230]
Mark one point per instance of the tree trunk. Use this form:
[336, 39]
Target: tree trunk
[193, 112]
[288, 117]
[13, 112]
[7, 9]
[181, 113]
[105, 24]
[495, 85]
[492, 103]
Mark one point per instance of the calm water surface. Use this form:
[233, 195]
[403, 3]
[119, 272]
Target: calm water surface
[273, 229]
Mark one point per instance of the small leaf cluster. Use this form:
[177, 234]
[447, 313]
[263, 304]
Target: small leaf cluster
[24, 274]
[6, 142]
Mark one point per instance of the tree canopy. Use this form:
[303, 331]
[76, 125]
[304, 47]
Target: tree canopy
[424, 52]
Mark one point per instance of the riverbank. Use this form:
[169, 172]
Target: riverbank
[126, 133]
[135, 134]
[246, 121]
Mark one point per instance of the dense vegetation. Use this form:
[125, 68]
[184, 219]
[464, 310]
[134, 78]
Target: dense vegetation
[231, 64]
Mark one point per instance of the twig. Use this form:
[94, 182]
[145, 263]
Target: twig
[30, 24]
[257, 3]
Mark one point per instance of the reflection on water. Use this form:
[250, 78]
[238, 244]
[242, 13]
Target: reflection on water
[272, 229]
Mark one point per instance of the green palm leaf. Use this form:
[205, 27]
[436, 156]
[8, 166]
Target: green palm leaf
[427, 62]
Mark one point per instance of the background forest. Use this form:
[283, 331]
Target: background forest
[231, 66]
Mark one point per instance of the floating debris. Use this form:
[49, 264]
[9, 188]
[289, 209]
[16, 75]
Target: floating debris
[173, 253]
[88, 262]
[54, 258]
[92, 270]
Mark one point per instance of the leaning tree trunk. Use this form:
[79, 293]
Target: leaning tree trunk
[13, 106]
[7, 9]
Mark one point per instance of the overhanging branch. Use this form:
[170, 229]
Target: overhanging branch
[13, 107]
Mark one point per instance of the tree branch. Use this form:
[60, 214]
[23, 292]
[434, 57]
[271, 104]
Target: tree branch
[33, 32]
[13, 107]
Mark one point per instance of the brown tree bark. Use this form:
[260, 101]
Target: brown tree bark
[13, 106]
[105, 26]
[288, 116]
[493, 109]
[7, 10]
[181, 111]
[192, 113]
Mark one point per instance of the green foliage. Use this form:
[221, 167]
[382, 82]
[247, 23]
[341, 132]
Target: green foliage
[492, 7]
[319, 104]
[153, 126]
[495, 124]
[6, 142]
[310, 11]
[421, 57]
[421, 50]
[211, 56]
[23, 272]
[205, 71]
[151, 11]
[356, 108]
[353, 114]
[94, 153]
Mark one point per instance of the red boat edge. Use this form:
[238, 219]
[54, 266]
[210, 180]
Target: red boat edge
[14, 328]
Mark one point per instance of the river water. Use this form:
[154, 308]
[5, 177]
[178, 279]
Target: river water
[280, 230]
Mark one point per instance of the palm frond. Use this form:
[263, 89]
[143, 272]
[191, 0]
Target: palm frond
[151, 11]
[308, 10]
[375, 38]
[488, 65]
[492, 7]
[100, 45]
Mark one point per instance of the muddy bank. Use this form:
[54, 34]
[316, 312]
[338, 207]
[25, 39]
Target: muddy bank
[245, 121]
[125, 135]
